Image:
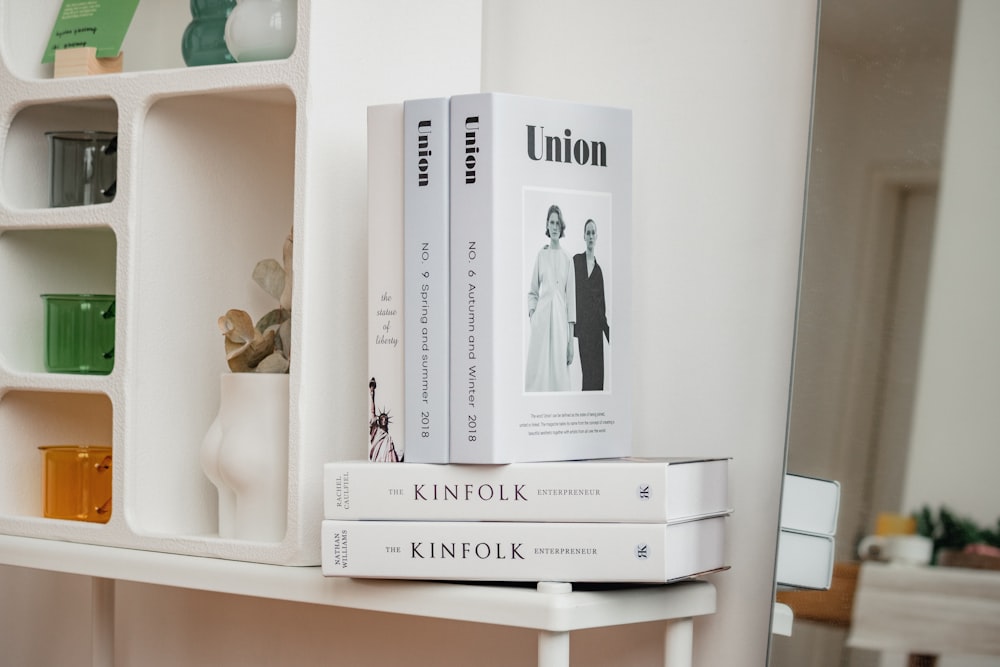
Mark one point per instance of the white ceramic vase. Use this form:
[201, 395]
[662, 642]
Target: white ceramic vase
[245, 455]
[261, 30]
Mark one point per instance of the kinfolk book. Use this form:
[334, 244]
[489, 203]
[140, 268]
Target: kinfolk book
[386, 410]
[541, 206]
[426, 261]
[810, 504]
[527, 551]
[615, 490]
[805, 560]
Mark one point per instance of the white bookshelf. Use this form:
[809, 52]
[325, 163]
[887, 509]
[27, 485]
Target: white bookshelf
[215, 165]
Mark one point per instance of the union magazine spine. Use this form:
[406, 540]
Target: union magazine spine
[484, 551]
[426, 268]
[472, 265]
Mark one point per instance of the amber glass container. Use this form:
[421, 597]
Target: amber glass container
[77, 481]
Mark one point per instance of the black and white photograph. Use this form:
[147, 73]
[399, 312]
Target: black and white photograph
[566, 273]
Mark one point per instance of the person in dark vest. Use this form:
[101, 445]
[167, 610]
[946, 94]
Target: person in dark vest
[591, 316]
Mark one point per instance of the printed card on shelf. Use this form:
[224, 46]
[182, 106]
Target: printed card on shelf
[85, 23]
[541, 206]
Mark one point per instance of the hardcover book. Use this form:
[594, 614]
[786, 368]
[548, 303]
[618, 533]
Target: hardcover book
[810, 504]
[426, 262]
[541, 206]
[613, 490]
[526, 551]
[386, 410]
[805, 560]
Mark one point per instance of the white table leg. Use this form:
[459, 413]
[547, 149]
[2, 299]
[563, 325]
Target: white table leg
[553, 649]
[102, 622]
[678, 643]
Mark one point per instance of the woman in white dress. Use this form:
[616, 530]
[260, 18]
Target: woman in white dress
[551, 311]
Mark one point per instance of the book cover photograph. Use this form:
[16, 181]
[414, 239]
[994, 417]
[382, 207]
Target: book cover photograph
[526, 551]
[386, 410]
[541, 205]
[633, 490]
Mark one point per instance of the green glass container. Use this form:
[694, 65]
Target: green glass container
[79, 333]
[204, 40]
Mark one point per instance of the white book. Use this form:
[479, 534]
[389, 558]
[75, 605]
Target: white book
[525, 551]
[810, 504]
[606, 490]
[386, 410]
[540, 322]
[426, 262]
[805, 560]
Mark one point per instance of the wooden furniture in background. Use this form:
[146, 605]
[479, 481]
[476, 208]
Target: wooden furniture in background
[832, 606]
[926, 611]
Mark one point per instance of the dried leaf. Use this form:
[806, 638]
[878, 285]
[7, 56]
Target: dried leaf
[272, 319]
[245, 346]
[285, 299]
[270, 276]
[265, 347]
[253, 353]
[284, 338]
[273, 363]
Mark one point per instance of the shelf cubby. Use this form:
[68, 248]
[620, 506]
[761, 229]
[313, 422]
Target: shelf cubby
[153, 41]
[30, 419]
[25, 175]
[47, 261]
[206, 225]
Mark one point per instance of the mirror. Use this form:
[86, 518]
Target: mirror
[884, 398]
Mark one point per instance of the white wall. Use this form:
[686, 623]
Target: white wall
[955, 454]
[721, 95]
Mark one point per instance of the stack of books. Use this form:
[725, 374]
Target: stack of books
[619, 520]
[500, 251]
[809, 511]
[499, 350]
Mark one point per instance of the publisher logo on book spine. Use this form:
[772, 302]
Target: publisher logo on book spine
[644, 491]
[642, 551]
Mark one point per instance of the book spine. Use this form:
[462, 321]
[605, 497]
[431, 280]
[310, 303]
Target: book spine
[386, 410]
[472, 322]
[426, 267]
[804, 560]
[485, 551]
[596, 491]
[810, 504]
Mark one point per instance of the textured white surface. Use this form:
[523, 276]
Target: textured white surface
[215, 165]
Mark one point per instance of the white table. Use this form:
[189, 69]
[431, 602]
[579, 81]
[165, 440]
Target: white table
[926, 611]
[552, 609]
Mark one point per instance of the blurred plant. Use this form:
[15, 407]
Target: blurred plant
[266, 346]
[949, 531]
